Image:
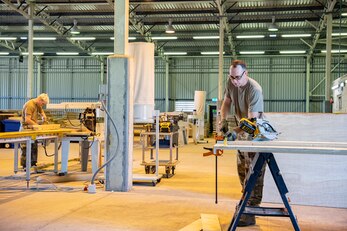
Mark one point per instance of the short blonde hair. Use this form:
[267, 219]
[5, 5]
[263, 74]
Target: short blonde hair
[44, 97]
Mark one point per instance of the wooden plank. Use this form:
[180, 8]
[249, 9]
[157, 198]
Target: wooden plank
[194, 226]
[210, 222]
[309, 147]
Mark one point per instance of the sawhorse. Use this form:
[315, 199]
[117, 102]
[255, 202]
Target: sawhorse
[259, 160]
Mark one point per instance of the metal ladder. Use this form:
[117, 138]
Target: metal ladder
[259, 160]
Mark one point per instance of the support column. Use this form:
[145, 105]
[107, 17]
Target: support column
[30, 50]
[38, 76]
[167, 86]
[327, 104]
[308, 77]
[119, 123]
[220, 63]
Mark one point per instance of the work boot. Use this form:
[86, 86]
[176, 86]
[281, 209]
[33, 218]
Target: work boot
[246, 220]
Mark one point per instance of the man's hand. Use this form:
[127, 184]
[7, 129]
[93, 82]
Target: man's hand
[231, 136]
[224, 126]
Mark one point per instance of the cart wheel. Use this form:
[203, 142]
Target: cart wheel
[147, 169]
[173, 170]
[153, 168]
[154, 183]
[167, 171]
[158, 181]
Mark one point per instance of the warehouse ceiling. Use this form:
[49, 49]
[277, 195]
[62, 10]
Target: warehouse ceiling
[150, 18]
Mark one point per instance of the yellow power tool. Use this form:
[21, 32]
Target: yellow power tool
[259, 129]
[249, 126]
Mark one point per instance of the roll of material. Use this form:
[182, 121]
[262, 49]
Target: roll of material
[199, 102]
[142, 70]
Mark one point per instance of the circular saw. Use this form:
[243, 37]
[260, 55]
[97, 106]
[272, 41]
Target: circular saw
[259, 129]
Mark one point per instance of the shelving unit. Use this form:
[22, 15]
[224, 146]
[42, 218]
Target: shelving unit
[149, 142]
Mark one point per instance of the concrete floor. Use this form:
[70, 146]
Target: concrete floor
[171, 205]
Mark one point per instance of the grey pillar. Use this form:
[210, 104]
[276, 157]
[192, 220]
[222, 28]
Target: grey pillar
[119, 105]
[119, 126]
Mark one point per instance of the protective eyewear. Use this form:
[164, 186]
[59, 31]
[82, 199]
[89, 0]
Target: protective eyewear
[236, 77]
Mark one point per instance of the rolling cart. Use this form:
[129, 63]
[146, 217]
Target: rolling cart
[168, 141]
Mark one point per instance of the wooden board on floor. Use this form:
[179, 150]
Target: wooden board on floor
[194, 226]
[210, 222]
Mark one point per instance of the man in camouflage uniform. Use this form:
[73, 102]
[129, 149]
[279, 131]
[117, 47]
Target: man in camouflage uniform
[245, 96]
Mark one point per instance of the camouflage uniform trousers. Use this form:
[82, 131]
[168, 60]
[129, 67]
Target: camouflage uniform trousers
[244, 160]
[34, 152]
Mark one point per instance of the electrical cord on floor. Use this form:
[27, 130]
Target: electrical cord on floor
[56, 188]
[92, 187]
[44, 145]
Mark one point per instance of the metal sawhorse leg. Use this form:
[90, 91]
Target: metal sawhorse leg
[242, 208]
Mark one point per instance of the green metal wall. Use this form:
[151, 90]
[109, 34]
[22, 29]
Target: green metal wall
[283, 80]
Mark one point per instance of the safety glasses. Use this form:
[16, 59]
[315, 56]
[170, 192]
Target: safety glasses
[236, 77]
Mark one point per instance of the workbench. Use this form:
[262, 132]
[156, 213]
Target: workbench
[94, 145]
[267, 148]
[28, 137]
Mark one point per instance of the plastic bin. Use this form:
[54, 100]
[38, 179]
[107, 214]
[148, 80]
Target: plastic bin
[10, 126]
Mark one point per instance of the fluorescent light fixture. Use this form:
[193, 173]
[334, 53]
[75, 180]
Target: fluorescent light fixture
[74, 28]
[252, 52]
[292, 52]
[334, 87]
[67, 53]
[102, 53]
[273, 35]
[338, 34]
[83, 38]
[4, 53]
[129, 38]
[335, 51]
[164, 38]
[175, 53]
[295, 35]
[206, 37]
[34, 53]
[40, 38]
[8, 38]
[249, 36]
[273, 26]
[210, 52]
[169, 28]
[344, 14]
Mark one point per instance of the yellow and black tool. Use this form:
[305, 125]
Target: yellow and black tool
[165, 126]
[250, 126]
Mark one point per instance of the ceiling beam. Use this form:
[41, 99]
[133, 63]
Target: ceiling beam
[140, 28]
[227, 29]
[11, 46]
[47, 20]
[322, 23]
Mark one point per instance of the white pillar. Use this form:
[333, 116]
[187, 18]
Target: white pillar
[30, 50]
[167, 86]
